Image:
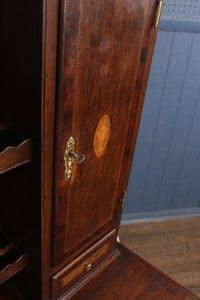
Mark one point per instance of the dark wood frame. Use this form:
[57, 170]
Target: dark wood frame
[49, 58]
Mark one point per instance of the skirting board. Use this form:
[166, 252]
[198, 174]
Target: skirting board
[161, 215]
[179, 26]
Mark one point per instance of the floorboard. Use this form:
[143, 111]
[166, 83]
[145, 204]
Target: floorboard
[173, 246]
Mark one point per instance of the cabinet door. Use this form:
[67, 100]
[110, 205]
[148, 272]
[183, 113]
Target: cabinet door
[100, 67]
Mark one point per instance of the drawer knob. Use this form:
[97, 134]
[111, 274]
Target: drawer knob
[69, 157]
[88, 266]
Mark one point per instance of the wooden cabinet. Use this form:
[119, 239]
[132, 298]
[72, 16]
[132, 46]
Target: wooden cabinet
[98, 64]
[81, 72]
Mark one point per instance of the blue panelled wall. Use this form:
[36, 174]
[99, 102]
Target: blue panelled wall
[165, 174]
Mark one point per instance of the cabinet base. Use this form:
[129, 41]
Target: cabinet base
[129, 277]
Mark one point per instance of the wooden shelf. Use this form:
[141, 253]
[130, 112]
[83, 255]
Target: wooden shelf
[14, 152]
[12, 260]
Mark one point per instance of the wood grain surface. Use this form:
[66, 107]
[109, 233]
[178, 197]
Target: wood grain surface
[130, 277]
[49, 61]
[13, 157]
[13, 268]
[173, 246]
[99, 54]
[77, 268]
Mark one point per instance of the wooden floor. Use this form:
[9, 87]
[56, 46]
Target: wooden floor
[173, 246]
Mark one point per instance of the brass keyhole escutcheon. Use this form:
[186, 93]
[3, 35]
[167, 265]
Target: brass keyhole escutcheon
[70, 156]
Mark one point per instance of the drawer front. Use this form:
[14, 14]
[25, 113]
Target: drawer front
[82, 265]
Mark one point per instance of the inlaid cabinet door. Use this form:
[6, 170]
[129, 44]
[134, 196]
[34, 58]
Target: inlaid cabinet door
[103, 46]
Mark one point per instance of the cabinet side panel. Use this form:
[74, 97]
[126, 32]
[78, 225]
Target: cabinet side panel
[148, 45]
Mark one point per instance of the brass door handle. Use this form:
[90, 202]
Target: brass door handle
[70, 156]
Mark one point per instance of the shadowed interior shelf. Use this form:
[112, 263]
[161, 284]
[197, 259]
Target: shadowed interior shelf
[12, 260]
[14, 151]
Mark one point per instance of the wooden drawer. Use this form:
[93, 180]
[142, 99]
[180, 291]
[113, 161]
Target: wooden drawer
[82, 265]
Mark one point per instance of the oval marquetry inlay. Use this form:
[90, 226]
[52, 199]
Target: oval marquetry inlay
[102, 135]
